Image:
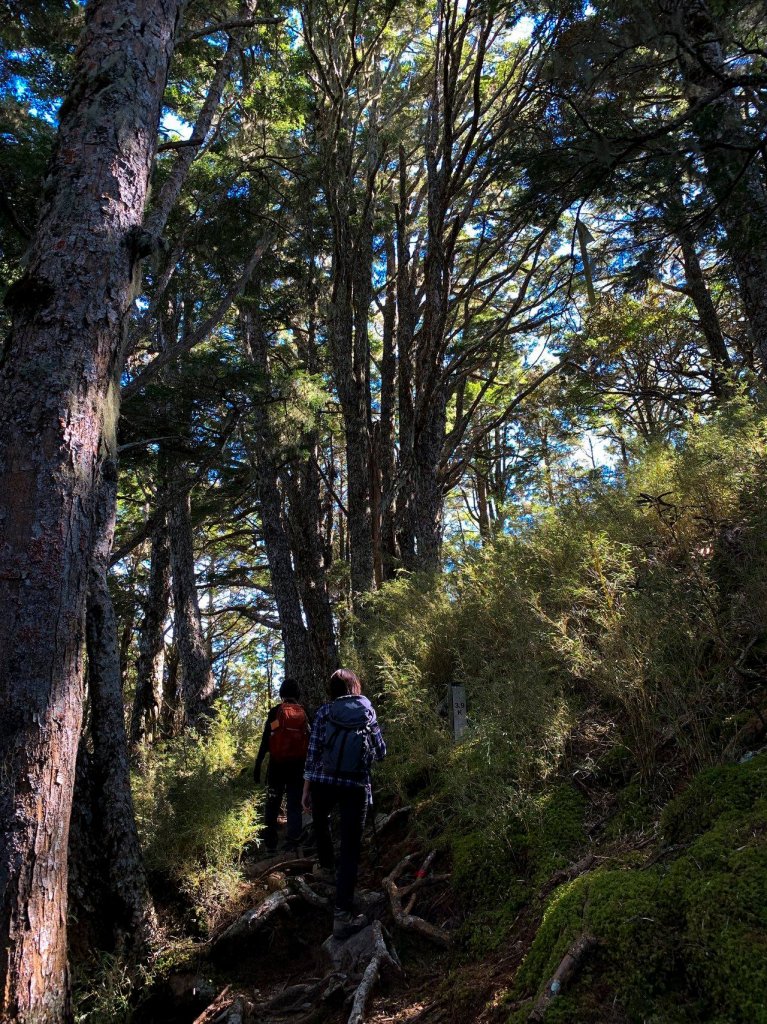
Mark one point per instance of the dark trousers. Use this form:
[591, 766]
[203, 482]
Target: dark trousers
[352, 805]
[283, 780]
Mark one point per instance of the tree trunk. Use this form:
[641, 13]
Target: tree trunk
[197, 682]
[406, 322]
[295, 640]
[56, 367]
[305, 522]
[708, 320]
[150, 666]
[387, 553]
[132, 912]
[733, 174]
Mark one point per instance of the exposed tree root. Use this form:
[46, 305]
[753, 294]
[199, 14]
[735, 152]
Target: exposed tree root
[237, 1012]
[569, 964]
[380, 958]
[209, 1014]
[301, 887]
[402, 915]
[296, 996]
[254, 921]
[385, 821]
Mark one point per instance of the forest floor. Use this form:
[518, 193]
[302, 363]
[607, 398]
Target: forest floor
[240, 979]
[245, 980]
[630, 893]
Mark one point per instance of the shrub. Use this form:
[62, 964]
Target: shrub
[196, 808]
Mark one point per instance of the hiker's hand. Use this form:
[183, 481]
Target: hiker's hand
[306, 800]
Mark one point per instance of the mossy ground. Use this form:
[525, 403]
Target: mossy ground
[681, 940]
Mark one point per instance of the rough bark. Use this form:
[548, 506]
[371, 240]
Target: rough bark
[197, 683]
[305, 534]
[131, 911]
[56, 367]
[295, 639]
[386, 554]
[150, 666]
[729, 151]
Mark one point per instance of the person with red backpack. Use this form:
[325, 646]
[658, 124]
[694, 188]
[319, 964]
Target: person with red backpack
[346, 739]
[286, 740]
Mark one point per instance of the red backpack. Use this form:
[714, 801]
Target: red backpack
[289, 739]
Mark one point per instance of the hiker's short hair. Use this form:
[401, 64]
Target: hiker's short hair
[344, 681]
[290, 689]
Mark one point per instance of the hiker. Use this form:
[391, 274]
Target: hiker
[345, 740]
[286, 740]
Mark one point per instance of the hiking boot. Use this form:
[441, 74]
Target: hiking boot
[346, 923]
[324, 874]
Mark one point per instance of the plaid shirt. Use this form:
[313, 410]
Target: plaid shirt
[316, 772]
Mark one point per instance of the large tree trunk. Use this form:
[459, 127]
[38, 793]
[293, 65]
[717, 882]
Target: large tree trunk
[305, 522]
[56, 367]
[708, 320]
[386, 459]
[734, 176]
[197, 682]
[131, 912]
[407, 315]
[150, 665]
[295, 640]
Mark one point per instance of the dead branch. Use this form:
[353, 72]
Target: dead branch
[405, 919]
[567, 874]
[210, 1013]
[569, 964]
[379, 959]
[254, 921]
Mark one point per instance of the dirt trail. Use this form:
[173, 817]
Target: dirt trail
[276, 962]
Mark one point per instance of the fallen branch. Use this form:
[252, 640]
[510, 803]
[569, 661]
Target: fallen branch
[211, 1012]
[569, 964]
[402, 916]
[380, 958]
[567, 874]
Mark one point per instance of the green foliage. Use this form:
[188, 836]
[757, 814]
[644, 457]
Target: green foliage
[624, 604]
[197, 808]
[629, 595]
[678, 941]
[103, 989]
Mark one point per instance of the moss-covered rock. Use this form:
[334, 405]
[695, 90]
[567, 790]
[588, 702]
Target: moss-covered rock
[684, 940]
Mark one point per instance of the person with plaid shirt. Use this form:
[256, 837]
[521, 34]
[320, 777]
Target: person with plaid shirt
[326, 787]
